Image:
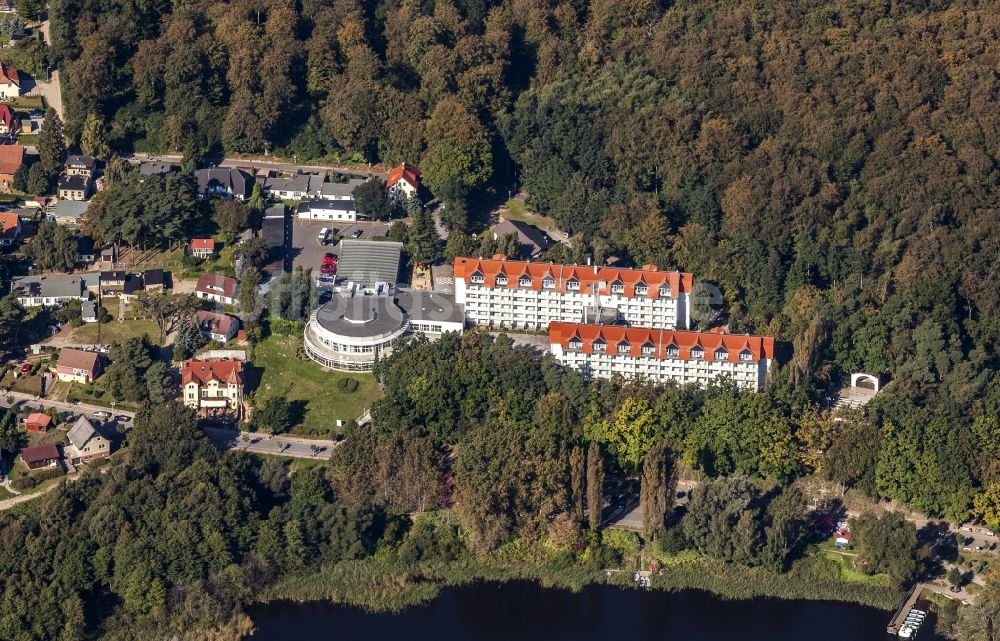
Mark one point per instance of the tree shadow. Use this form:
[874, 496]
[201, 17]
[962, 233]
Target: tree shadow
[297, 411]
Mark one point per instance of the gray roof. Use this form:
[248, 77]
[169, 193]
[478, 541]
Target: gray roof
[305, 183]
[79, 160]
[69, 208]
[233, 181]
[52, 286]
[340, 189]
[81, 432]
[334, 205]
[275, 211]
[430, 306]
[369, 261]
[361, 316]
[533, 237]
[155, 168]
[76, 181]
[88, 309]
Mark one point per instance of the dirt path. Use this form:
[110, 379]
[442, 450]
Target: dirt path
[6, 504]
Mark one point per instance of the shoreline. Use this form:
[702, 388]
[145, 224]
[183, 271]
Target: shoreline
[378, 585]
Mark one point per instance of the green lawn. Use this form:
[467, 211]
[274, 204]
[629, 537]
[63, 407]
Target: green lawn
[6, 494]
[172, 261]
[27, 103]
[518, 210]
[95, 394]
[115, 332]
[848, 573]
[306, 381]
[28, 140]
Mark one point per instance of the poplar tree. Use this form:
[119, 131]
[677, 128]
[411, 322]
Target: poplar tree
[657, 487]
[577, 472]
[595, 485]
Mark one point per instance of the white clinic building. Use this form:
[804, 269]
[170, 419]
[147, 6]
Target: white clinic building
[525, 295]
[661, 355]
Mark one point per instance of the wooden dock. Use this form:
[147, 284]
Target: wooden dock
[900, 616]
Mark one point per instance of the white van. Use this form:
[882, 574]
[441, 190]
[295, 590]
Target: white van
[323, 233]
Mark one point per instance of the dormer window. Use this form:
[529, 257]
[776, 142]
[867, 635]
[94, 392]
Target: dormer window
[746, 355]
[721, 354]
[575, 343]
[617, 287]
[501, 279]
[573, 285]
[648, 349]
[600, 345]
[548, 282]
[640, 290]
[524, 281]
[673, 352]
[664, 291]
[623, 347]
[697, 352]
[478, 278]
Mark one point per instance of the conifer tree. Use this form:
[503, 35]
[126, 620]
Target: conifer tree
[595, 485]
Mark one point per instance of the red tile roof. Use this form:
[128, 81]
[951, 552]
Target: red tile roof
[9, 75]
[11, 157]
[588, 277]
[203, 243]
[40, 453]
[203, 372]
[39, 419]
[630, 340]
[409, 172]
[216, 284]
[8, 225]
[7, 116]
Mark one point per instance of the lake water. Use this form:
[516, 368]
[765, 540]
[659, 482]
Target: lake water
[524, 611]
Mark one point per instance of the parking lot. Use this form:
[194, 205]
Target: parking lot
[306, 249]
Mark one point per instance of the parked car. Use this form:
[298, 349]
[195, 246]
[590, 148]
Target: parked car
[356, 233]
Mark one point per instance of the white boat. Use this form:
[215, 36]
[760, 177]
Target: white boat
[906, 632]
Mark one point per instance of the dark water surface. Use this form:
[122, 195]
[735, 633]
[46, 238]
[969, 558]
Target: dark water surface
[526, 612]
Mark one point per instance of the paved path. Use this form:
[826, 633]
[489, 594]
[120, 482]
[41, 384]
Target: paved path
[260, 443]
[51, 90]
[35, 403]
[273, 164]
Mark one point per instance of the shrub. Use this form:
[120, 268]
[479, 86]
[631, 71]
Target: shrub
[48, 474]
[348, 385]
[22, 483]
[622, 542]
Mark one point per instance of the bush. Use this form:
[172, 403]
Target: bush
[621, 542]
[348, 385]
[48, 474]
[22, 483]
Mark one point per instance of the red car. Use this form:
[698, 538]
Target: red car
[26, 367]
[329, 266]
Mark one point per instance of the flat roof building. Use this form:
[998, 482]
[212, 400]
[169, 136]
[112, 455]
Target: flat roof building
[369, 262]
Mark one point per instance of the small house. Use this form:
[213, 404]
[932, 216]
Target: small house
[9, 123]
[80, 165]
[67, 212]
[78, 366]
[52, 290]
[403, 181]
[112, 283]
[85, 250]
[86, 443]
[153, 280]
[10, 229]
[10, 82]
[74, 187]
[109, 255]
[41, 456]
[202, 247]
[37, 422]
[217, 327]
[88, 312]
[11, 159]
[217, 288]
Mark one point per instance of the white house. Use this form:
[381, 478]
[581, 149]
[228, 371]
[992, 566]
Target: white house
[220, 289]
[327, 210]
[403, 181]
[10, 82]
[213, 387]
[49, 291]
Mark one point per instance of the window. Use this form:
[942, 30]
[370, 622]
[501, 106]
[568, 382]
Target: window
[524, 281]
[673, 352]
[697, 352]
[640, 290]
[548, 282]
[575, 343]
[501, 280]
[600, 345]
[623, 346]
[721, 354]
[573, 285]
[477, 278]
[617, 287]
[664, 291]
[746, 355]
[648, 349]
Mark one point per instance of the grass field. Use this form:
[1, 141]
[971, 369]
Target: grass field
[518, 210]
[115, 332]
[848, 573]
[305, 381]
[172, 261]
[28, 140]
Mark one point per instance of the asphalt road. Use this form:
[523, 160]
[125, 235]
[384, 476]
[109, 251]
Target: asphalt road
[260, 443]
[35, 403]
[280, 165]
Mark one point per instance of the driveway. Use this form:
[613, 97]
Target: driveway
[306, 251]
[260, 443]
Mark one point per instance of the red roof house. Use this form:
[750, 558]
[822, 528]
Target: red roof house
[202, 247]
[10, 76]
[404, 180]
[8, 120]
[77, 365]
[41, 456]
[214, 287]
[10, 228]
[11, 158]
[38, 422]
